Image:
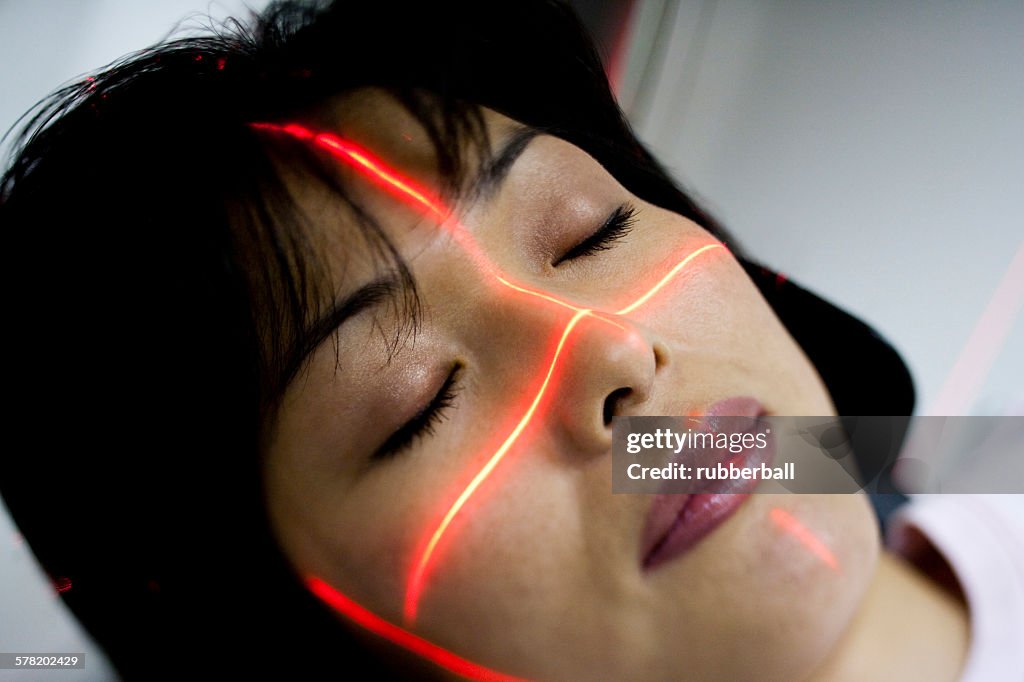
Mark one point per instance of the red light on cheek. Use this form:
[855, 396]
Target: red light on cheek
[415, 585]
[418, 198]
[373, 623]
[789, 523]
[674, 272]
[62, 584]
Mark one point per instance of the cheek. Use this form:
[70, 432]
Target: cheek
[508, 554]
[819, 553]
[503, 554]
[733, 343]
[343, 539]
[822, 547]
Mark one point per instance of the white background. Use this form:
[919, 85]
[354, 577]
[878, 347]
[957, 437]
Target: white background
[874, 151]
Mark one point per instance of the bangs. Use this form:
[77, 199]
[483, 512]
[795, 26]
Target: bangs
[287, 272]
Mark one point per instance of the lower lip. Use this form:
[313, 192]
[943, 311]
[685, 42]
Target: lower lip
[701, 513]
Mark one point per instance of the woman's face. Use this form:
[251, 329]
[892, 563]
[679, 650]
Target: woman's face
[541, 572]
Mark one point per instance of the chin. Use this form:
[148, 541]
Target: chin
[816, 555]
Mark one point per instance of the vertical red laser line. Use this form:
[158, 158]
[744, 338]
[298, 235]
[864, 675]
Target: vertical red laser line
[805, 536]
[414, 589]
[415, 585]
[372, 167]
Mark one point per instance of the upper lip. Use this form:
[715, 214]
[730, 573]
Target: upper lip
[666, 508]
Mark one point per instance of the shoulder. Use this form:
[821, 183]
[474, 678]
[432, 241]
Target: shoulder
[981, 537]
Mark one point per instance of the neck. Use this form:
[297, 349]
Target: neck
[908, 628]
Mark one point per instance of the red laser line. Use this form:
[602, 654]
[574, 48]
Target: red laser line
[365, 160]
[371, 622]
[402, 187]
[415, 586]
[805, 536]
[558, 301]
[665, 280]
[373, 168]
[414, 589]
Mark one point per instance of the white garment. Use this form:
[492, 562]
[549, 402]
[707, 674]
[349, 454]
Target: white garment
[982, 539]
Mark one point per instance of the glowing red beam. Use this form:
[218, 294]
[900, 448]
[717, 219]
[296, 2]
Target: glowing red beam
[364, 161]
[558, 301]
[805, 536]
[668, 277]
[415, 586]
[414, 589]
[382, 175]
[373, 623]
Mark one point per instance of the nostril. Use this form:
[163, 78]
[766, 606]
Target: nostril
[661, 355]
[611, 403]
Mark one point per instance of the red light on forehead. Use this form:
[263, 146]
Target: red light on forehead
[363, 161]
[408, 191]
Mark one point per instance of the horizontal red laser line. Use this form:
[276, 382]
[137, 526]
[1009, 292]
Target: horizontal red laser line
[665, 280]
[808, 539]
[558, 301]
[415, 586]
[371, 622]
[369, 165]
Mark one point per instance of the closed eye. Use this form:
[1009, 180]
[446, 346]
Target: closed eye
[619, 224]
[424, 422]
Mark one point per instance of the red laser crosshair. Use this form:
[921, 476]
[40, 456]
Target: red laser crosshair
[421, 199]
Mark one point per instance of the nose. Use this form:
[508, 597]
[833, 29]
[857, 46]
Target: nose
[578, 368]
[610, 368]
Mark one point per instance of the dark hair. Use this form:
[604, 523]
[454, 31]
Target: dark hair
[158, 289]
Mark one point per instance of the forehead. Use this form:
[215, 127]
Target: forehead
[405, 145]
[406, 142]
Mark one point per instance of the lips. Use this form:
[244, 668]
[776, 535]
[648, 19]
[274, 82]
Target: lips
[677, 522]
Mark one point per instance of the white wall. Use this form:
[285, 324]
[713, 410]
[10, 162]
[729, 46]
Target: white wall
[872, 150]
[44, 43]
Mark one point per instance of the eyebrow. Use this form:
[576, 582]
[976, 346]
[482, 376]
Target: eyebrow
[487, 181]
[368, 296]
[494, 172]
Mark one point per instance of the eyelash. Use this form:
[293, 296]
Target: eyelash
[619, 224]
[423, 422]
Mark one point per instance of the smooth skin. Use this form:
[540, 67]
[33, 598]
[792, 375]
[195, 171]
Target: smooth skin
[540, 575]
